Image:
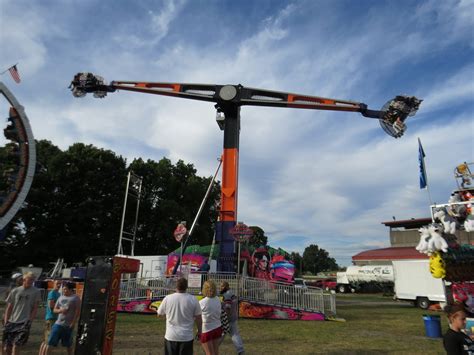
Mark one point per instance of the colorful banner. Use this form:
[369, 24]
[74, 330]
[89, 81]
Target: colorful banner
[271, 266]
[261, 311]
[246, 310]
[191, 261]
[136, 306]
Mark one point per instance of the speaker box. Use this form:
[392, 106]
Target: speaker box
[91, 329]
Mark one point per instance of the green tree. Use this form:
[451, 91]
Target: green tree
[74, 207]
[316, 259]
[298, 262]
[258, 238]
[170, 194]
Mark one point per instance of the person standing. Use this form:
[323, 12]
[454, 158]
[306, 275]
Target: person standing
[231, 307]
[455, 341]
[50, 316]
[211, 319]
[22, 306]
[68, 308]
[205, 267]
[181, 310]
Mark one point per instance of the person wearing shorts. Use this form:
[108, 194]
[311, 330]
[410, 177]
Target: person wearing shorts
[50, 316]
[68, 307]
[211, 319]
[22, 305]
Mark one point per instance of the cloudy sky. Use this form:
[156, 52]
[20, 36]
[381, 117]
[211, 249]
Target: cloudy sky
[305, 176]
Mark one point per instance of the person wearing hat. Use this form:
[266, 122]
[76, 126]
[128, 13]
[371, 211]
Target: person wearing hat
[22, 306]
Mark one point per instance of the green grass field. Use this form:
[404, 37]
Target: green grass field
[374, 325]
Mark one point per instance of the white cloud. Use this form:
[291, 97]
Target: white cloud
[326, 178]
[446, 93]
[161, 21]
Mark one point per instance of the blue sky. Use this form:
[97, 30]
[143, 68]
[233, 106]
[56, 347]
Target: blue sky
[305, 176]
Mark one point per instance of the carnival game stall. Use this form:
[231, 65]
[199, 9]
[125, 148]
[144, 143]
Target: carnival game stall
[450, 260]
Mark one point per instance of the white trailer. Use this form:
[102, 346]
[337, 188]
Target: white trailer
[152, 265]
[356, 276]
[414, 282]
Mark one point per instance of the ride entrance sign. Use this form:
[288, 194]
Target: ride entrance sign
[180, 232]
[240, 232]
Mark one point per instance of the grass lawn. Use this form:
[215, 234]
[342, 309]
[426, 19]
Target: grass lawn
[374, 325]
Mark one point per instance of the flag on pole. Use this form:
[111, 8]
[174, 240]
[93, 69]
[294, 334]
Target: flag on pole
[421, 158]
[14, 73]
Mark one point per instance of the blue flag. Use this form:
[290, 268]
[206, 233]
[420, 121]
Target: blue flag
[421, 158]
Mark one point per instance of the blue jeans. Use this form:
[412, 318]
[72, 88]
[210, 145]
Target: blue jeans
[235, 335]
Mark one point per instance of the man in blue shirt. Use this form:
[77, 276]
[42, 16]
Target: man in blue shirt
[50, 317]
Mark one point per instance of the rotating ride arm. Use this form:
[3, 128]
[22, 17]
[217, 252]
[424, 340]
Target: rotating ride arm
[392, 116]
[228, 99]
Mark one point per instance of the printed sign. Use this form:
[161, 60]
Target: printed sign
[241, 232]
[194, 280]
[180, 232]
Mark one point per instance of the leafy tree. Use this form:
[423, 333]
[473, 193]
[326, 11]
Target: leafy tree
[316, 260]
[298, 262]
[74, 207]
[258, 238]
[171, 194]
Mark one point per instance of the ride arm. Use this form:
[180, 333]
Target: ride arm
[393, 115]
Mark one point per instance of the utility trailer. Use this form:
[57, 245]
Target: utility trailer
[359, 278]
[414, 283]
[152, 265]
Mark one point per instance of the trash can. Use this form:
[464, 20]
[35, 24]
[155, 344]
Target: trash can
[432, 326]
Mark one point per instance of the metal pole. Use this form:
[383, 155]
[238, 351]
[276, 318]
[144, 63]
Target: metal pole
[212, 247]
[205, 198]
[181, 257]
[136, 214]
[123, 215]
[238, 261]
[198, 214]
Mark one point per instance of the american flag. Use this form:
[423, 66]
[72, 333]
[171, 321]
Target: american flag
[14, 73]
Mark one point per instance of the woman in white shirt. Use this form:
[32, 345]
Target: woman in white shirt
[211, 319]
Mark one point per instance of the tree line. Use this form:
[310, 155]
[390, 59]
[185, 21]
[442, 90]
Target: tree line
[75, 204]
[74, 207]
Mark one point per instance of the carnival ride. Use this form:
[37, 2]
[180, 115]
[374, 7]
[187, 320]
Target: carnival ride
[228, 100]
[18, 167]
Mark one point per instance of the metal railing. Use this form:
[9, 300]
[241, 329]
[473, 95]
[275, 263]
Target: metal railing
[250, 289]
